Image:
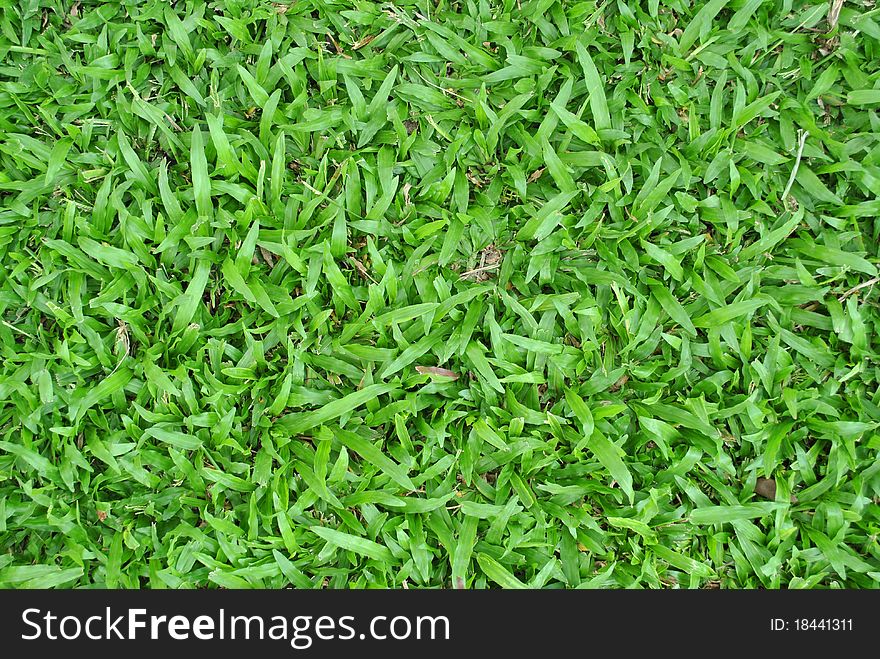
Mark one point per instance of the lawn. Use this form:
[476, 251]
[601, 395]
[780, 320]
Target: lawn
[439, 294]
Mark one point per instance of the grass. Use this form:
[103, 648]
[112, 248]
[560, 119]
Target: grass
[439, 294]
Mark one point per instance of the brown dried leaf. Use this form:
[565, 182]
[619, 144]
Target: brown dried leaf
[473, 178]
[490, 259]
[834, 13]
[267, 257]
[766, 487]
[617, 385]
[360, 43]
[490, 255]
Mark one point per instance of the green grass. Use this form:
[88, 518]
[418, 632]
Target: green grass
[439, 294]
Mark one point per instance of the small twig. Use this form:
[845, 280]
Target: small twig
[20, 331]
[173, 123]
[361, 269]
[445, 90]
[802, 139]
[854, 289]
[479, 270]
